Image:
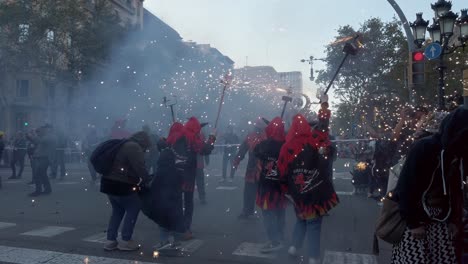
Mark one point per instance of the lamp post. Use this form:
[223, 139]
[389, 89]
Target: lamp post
[311, 62]
[441, 31]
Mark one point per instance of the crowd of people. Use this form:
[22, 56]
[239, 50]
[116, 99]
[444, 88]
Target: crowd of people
[419, 163]
[283, 167]
[45, 148]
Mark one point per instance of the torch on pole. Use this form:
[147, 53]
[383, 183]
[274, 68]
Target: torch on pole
[171, 104]
[226, 81]
[349, 49]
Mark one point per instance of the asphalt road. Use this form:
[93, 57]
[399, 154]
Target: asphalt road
[69, 225]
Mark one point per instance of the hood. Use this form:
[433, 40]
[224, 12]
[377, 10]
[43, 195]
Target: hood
[193, 126]
[299, 127]
[175, 133]
[142, 138]
[260, 124]
[275, 129]
[454, 131]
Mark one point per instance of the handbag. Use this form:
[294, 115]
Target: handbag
[390, 225]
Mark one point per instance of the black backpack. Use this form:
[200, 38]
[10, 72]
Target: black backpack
[103, 156]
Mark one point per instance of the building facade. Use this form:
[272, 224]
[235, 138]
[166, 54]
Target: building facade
[291, 80]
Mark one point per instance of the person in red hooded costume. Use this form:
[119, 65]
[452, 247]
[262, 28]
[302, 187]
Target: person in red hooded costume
[305, 177]
[253, 170]
[118, 130]
[187, 143]
[270, 197]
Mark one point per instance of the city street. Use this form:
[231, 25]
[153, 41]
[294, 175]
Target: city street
[69, 225]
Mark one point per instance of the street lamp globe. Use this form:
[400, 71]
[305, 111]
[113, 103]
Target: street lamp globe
[441, 7]
[462, 24]
[447, 22]
[419, 27]
[434, 31]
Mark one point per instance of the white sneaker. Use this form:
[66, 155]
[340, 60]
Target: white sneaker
[230, 180]
[292, 251]
[314, 261]
[111, 245]
[128, 246]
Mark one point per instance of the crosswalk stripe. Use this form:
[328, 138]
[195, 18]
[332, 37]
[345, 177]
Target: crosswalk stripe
[13, 181]
[98, 238]
[48, 231]
[332, 257]
[248, 249]
[344, 193]
[228, 188]
[192, 245]
[4, 225]
[32, 256]
[67, 183]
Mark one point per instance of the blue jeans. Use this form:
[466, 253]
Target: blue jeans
[128, 206]
[313, 229]
[274, 224]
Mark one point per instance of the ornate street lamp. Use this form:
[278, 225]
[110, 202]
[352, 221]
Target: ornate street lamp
[441, 31]
[419, 29]
[434, 31]
[441, 7]
[447, 23]
[462, 24]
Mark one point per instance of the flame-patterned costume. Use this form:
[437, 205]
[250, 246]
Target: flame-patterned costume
[269, 193]
[304, 173]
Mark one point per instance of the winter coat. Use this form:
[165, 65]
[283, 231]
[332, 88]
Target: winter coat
[46, 146]
[128, 170]
[303, 172]
[248, 145]
[430, 185]
[19, 147]
[269, 193]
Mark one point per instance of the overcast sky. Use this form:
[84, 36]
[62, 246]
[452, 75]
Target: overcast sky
[276, 32]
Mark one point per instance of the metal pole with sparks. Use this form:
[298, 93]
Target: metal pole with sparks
[170, 104]
[286, 99]
[226, 81]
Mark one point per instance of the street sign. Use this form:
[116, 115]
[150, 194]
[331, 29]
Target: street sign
[433, 51]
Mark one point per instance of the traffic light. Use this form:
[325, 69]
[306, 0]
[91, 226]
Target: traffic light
[418, 67]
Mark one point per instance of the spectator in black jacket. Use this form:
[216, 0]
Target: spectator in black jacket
[20, 145]
[430, 194]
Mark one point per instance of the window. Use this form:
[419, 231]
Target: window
[23, 33]
[22, 88]
[50, 35]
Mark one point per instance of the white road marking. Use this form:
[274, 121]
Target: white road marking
[4, 225]
[48, 231]
[67, 183]
[34, 256]
[332, 257]
[13, 181]
[98, 238]
[342, 175]
[247, 249]
[227, 188]
[191, 246]
[344, 193]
